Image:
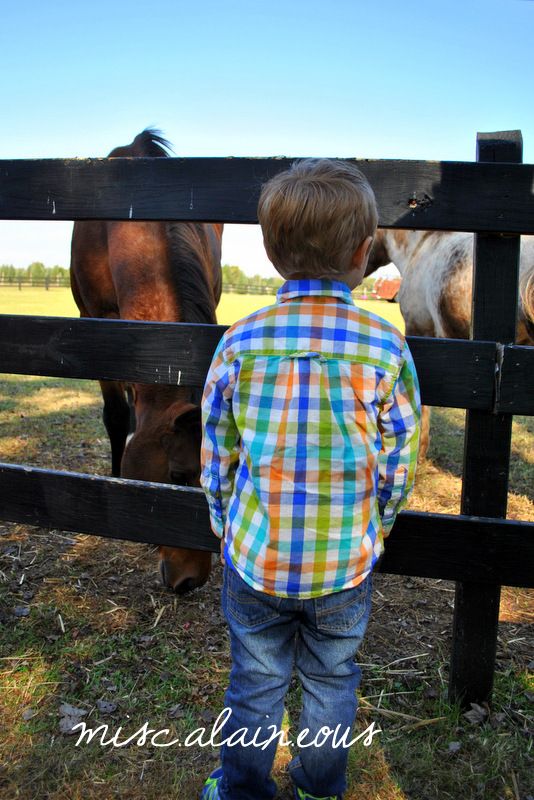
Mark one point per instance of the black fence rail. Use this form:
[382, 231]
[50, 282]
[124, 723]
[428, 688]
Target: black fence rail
[489, 375]
[455, 373]
[426, 545]
[429, 195]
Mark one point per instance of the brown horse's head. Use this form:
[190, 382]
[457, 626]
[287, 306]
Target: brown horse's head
[166, 448]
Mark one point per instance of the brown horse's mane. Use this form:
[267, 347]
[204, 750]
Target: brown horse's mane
[197, 302]
[195, 291]
[147, 144]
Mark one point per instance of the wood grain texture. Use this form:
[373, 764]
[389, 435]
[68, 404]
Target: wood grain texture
[516, 387]
[422, 195]
[428, 545]
[452, 372]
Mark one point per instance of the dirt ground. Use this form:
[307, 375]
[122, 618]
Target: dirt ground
[409, 614]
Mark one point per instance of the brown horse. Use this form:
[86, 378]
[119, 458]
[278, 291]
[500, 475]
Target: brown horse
[166, 271]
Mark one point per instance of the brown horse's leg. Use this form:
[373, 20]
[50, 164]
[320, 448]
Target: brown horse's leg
[425, 432]
[116, 416]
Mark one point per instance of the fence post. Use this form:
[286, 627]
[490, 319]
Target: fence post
[487, 443]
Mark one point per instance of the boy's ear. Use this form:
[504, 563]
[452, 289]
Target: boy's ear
[362, 253]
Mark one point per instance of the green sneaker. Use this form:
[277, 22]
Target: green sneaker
[300, 794]
[210, 790]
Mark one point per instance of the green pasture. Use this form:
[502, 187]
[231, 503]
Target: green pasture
[58, 302]
[85, 625]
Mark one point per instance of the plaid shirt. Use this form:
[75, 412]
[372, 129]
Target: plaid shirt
[311, 429]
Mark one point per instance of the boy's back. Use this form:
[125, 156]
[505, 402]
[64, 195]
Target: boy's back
[309, 381]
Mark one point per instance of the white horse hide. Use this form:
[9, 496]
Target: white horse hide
[437, 286]
[437, 281]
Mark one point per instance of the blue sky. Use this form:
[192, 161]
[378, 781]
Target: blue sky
[377, 80]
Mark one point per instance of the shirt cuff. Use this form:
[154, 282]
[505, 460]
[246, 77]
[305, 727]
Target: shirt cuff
[217, 526]
[387, 525]
[216, 519]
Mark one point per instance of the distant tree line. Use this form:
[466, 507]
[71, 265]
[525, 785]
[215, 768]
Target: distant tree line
[235, 276]
[234, 279]
[36, 274]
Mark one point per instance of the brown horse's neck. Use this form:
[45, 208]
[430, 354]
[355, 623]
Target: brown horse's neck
[194, 260]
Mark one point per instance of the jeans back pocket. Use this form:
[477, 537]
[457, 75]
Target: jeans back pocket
[247, 605]
[342, 611]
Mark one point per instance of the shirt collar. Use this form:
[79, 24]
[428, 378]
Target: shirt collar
[308, 287]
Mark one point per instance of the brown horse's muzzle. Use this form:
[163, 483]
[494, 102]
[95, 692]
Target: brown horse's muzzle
[183, 570]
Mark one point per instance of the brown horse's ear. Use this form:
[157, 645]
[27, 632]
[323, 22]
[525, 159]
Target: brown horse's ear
[189, 422]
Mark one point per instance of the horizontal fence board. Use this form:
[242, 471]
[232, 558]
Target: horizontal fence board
[439, 195]
[425, 545]
[461, 548]
[113, 507]
[139, 352]
[453, 373]
[517, 380]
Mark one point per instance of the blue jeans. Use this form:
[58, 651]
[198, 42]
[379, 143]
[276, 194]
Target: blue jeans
[268, 635]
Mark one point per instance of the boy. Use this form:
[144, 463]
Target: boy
[311, 426]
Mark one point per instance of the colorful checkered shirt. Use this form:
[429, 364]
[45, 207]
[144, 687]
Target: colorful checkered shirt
[311, 429]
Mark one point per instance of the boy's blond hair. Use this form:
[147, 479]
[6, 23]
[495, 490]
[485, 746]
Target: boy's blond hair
[315, 215]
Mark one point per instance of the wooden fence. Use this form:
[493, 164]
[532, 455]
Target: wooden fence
[27, 282]
[488, 375]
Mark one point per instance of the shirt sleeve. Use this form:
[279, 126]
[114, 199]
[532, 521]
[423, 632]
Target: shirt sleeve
[220, 439]
[399, 426]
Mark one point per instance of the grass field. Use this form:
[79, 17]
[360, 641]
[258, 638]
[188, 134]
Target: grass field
[58, 302]
[84, 621]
